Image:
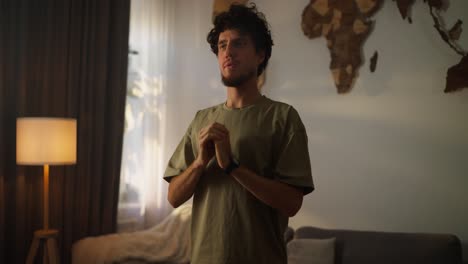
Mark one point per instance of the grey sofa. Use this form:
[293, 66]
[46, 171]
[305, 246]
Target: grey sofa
[366, 247]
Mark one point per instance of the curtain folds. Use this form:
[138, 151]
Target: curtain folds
[143, 192]
[62, 58]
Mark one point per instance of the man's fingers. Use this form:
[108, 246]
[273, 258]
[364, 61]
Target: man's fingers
[211, 136]
[220, 127]
[215, 127]
[214, 133]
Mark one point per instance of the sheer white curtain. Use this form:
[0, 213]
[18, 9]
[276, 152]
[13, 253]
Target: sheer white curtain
[143, 193]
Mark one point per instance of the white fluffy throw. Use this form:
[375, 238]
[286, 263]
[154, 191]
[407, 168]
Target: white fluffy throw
[168, 242]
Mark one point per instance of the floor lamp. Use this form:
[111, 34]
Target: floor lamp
[45, 141]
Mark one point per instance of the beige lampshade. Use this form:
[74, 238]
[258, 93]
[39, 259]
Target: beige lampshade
[43, 140]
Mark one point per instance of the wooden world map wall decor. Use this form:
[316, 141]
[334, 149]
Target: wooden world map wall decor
[346, 24]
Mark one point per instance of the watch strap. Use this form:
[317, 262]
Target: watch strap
[232, 166]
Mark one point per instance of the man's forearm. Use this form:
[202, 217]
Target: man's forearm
[181, 187]
[285, 198]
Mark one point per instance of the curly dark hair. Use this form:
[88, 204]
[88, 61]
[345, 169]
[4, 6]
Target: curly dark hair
[247, 20]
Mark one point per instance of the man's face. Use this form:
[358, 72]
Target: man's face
[237, 58]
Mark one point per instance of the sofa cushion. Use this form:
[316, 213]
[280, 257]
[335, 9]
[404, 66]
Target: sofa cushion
[317, 251]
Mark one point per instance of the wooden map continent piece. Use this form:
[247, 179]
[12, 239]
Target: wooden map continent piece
[373, 61]
[457, 76]
[220, 6]
[404, 8]
[345, 24]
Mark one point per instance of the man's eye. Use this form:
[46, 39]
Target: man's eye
[239, 44]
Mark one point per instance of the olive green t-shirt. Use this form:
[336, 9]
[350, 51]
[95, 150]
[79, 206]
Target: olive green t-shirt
[229, 224]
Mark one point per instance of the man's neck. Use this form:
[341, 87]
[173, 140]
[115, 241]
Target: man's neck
[242, 96]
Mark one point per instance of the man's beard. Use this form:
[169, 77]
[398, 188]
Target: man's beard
[239, 81]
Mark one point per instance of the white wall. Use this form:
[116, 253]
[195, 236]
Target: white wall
[391, 155]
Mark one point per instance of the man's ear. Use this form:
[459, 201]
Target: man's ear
[261, 56]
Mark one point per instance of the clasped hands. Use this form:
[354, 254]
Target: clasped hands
[213, 140]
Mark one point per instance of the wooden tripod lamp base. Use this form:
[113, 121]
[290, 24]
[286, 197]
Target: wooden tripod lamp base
[48, 240]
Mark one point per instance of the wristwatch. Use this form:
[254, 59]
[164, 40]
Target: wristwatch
[232, 166]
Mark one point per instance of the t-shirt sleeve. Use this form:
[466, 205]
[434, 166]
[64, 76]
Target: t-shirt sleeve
[182, 157]
[293, 162]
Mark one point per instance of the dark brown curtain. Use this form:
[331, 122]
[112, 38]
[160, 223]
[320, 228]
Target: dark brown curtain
[62, 58]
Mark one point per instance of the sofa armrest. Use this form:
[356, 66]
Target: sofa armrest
[288, 234]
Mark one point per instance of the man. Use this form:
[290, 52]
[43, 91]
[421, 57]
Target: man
[245, 161]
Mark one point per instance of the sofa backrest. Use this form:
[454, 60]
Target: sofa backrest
[368, 247]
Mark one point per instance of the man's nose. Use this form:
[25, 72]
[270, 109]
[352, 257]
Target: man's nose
[229, 50]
